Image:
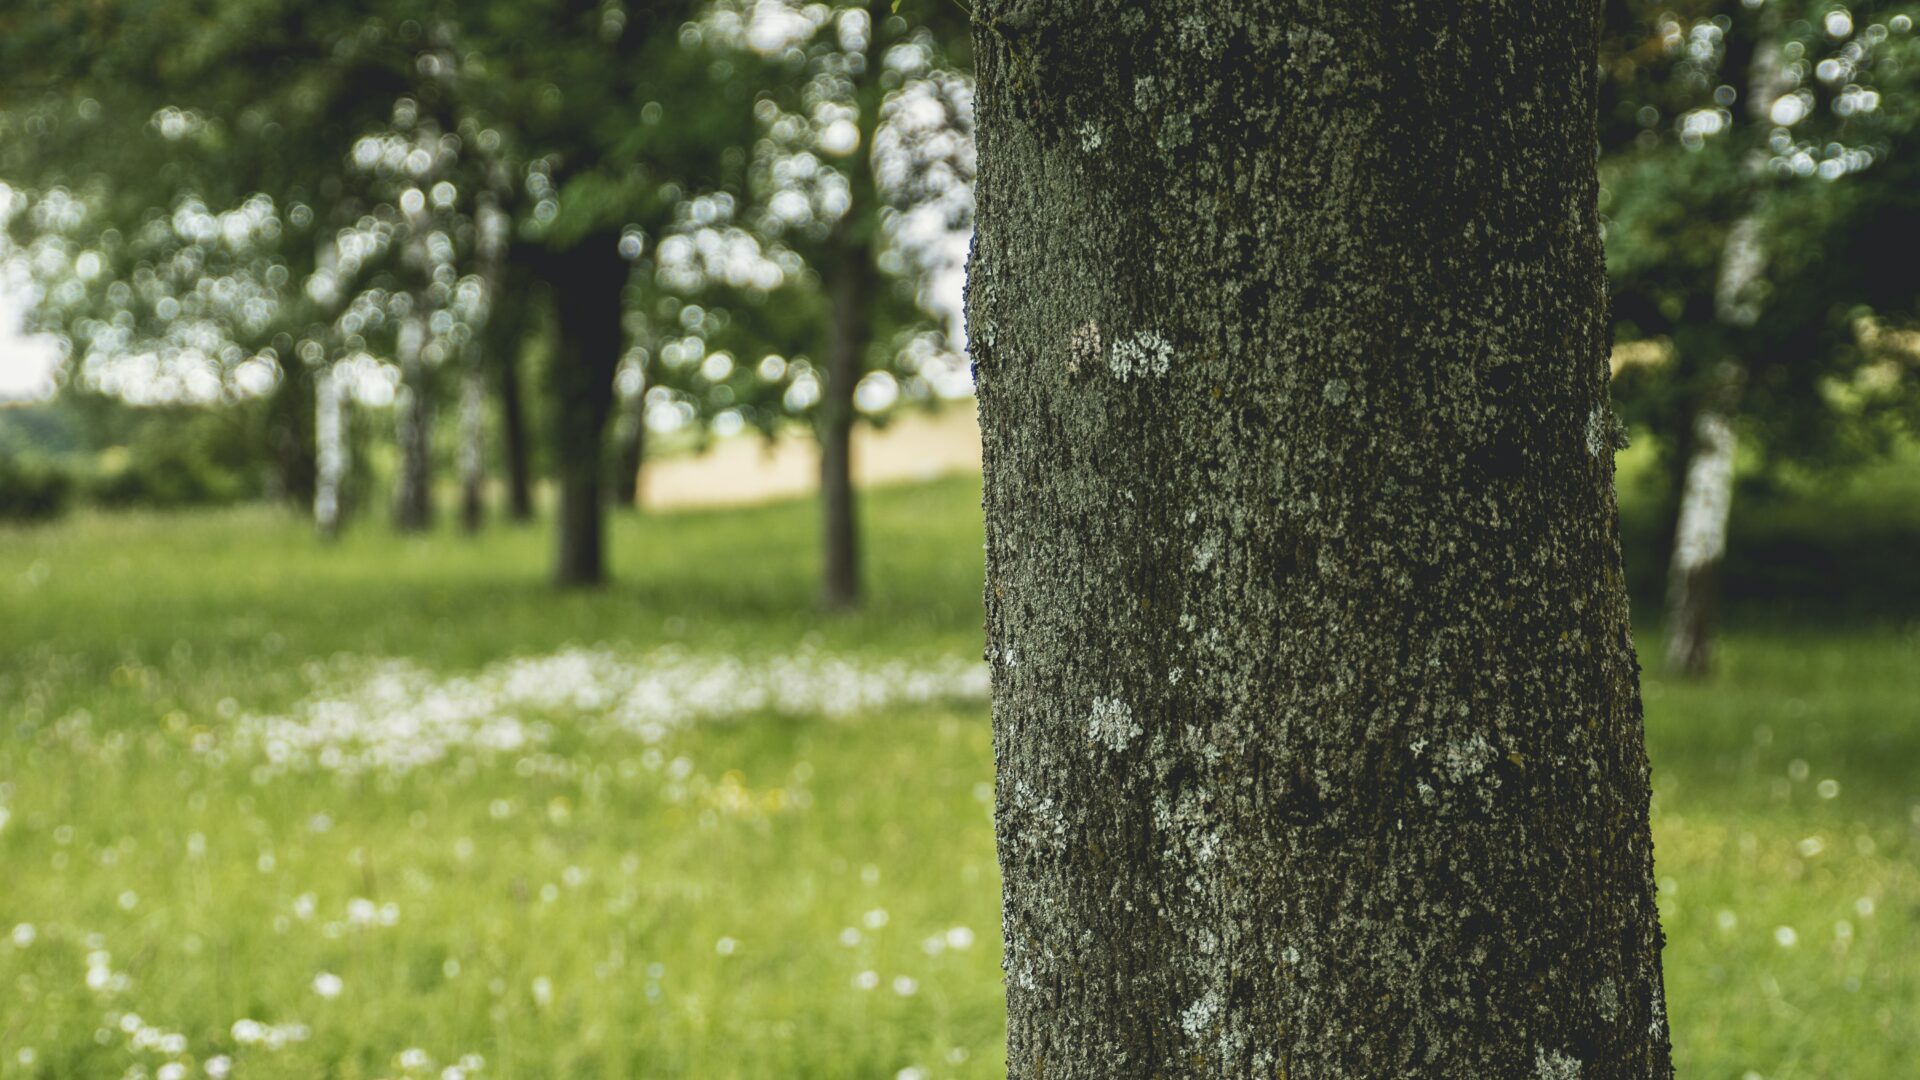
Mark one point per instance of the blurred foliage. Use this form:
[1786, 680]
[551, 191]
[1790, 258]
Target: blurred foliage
[210, 198]
[1761, 199]
[181, 456]
[32, 488]
[115, 454]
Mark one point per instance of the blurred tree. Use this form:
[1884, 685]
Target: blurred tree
[492, 243]
[618, 111]
[136, 106]
[863, 167]
[636, 377]
[1316, 716]
[1760, 195]
[508, 328]
[610, 110]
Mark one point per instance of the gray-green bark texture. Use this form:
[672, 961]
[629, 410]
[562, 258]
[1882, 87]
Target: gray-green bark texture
[1316, 712]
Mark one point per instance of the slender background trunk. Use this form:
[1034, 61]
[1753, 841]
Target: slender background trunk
[491, 224]
[1316, 713]
[853, 279]
[506, 336]
[588, 281]
[289, 438]
[331, 457]
[850, 289]
[413, 424]
[631, 448]
[413, 405]
[1706, 494]
[1700, 533]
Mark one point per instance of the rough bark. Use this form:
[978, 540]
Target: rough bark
[587, 282]
[852, 279]
[331, 452]
[1316, 712]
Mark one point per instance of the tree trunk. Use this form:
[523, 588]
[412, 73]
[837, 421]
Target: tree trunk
[587, 282]
[290, 440]
[413, 405]
[506, 333]
[413, 426]
[492, 225]
[851, 285]
[850, 289]
[630, 452]
[332, 449]
[1316, 713]
[1700, 534]
[1706, 492]
[473, 446]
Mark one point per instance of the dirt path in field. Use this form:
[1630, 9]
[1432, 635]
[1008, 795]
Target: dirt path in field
[748, 469]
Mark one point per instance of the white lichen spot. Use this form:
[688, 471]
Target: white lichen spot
[1206, 552]
[1145, 353]
[1090, 136]
[1607, 997]
[1145, 95]
[1554, 1065]
[1111, 724]
[1466, 757]
[1197, 1019]
[1599, 431]
[1336, 391]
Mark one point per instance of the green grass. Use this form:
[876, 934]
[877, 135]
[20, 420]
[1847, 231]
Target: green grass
[613, 901]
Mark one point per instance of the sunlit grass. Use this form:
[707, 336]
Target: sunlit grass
[759, 893]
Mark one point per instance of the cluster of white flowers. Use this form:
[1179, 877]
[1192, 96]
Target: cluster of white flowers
[271, 1036]
[394, 716]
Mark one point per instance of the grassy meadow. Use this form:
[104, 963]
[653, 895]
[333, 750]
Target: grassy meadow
[395, 809]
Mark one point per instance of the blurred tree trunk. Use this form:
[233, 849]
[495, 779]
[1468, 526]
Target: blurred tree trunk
[492, 225]
[413, 405]
[851, 286]
[632, 451]
[1316, 714]
[332, 445]
[631, 435]
[588, 281]
[290, 434]
[1700, 533]
[473, 445]
[507, 327]
[852, 279]
[1706, 493]
[413, 424]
